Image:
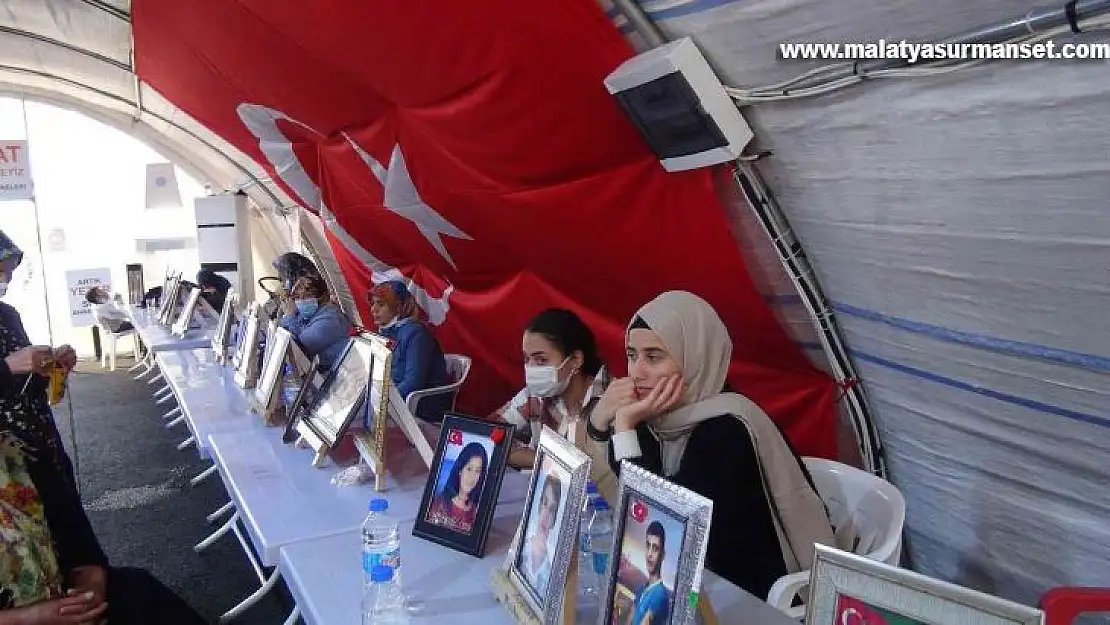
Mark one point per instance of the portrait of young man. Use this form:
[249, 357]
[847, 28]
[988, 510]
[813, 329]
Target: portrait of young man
[652, 605]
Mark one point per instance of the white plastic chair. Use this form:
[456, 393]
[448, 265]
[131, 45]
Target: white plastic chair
[108, 350]
[867, 513]
[458, 367]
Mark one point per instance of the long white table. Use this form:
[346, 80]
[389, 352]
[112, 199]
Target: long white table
[445, 586]
[282, 499]
[158, 338]
[207, 394]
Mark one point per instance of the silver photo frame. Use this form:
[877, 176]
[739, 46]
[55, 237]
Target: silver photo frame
[279, 342]
[169, 300]
[843, 583]
[222, 336]
[240, 334]
[246, 372]
[185, 318]
[556, 457]
[342, 397]
[676, 521]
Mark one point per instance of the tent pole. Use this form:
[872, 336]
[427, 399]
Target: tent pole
[643, 24]
[794, 260]
[800, 271]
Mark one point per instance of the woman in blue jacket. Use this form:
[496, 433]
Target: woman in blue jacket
[320, 327]
[418, 361]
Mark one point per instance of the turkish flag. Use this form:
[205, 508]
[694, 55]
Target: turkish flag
[473, 148]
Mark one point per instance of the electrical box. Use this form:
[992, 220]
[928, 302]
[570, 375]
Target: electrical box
[679, 105]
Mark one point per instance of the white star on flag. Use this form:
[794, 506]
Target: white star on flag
[402, 198]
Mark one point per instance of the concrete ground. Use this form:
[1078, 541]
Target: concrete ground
[135, 485]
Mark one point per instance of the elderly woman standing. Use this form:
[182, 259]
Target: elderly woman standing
[76, 561]
[418, 361]
[674, 416]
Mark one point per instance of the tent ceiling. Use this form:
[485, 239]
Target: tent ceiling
[78, 55]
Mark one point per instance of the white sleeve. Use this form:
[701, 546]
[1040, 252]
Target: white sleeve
[626, 445]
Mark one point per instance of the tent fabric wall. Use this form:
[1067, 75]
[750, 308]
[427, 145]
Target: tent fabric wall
[960, 225]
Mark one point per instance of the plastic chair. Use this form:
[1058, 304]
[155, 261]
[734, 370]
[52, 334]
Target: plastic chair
[1063, 604]
[108, 351]
[867, 513]
[458, 367]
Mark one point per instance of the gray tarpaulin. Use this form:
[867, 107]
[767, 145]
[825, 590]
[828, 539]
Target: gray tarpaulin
[961, 224]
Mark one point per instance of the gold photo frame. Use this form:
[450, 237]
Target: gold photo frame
[246, 369]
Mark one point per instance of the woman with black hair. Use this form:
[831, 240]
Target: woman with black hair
[564, 377]
[456, 506]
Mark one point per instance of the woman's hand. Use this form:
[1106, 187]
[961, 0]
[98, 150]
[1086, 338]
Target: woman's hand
[66, 356]
[620, 393]
[72, 610]
[662, 398]
[30, 358]
[94, 579]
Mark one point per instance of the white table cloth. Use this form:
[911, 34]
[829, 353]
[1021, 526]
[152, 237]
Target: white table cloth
[158, 338]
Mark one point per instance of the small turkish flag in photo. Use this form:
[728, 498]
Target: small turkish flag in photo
[639, 511]
[455, 437]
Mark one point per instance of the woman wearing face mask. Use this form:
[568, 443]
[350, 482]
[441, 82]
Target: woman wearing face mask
[418, 361]
[213, 288]
[319, 326]
[673, 417]
[457, 506]
[563, 378]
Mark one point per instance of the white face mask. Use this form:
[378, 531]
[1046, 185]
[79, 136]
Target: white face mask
[3, 289]
[543, 380]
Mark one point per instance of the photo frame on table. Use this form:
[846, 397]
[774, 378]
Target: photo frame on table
[221, 338]
[848, 588]
[456, 509]
[360, 375]
[169, 300]
[281, 350]
[660, 539]
[185, 318]
[239, 333]
[542, 562]
[304, 394]
[246, 368]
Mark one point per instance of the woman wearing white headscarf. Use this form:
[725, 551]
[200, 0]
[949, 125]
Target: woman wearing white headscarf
[674, 417]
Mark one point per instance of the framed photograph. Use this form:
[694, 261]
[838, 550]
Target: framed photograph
[341, 397]
[246, 371]
[185, 318]
[278, 344]
[305, 392]
[540, 557]
[659, 545]
[849, 589]
[221, 338]
[460, 496]
[239, 334]
[169, 300]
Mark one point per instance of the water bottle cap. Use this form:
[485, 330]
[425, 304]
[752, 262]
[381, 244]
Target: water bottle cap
[381, 573]
[591, 487]
[601, 504]
[379, 505]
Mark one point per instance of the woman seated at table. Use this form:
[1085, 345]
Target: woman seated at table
[319, 326]
[418, 362]
[456, 506]
[674, 417]
[564, 378]
[213, 288]
[106, 312]
[52, 570]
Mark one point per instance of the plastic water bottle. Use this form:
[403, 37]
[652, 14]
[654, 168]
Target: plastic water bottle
[585, 556]
[290, 386]
[381, 541]
[383, 603]
[601, 538]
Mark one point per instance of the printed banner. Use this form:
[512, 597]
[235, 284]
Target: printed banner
[78, 283]
[15, 171]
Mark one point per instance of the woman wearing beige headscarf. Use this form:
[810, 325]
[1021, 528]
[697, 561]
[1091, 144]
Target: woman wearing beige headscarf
[673, 416]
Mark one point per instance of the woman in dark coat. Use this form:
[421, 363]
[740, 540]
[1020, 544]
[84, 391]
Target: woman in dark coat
[133, 596]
